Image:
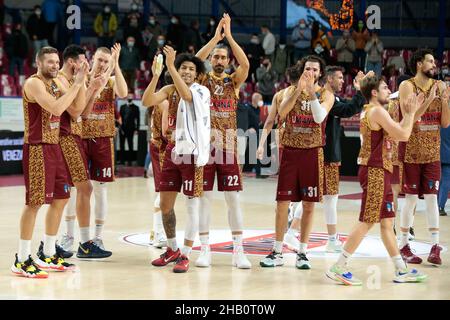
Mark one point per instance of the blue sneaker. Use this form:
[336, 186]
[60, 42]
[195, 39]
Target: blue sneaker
[412, 276]
[59, 251]
[89, 250]
[341, 275]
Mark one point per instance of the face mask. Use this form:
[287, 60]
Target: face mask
[212, 23]
[134, 7]
[302, 25]
[130, 43]
[130, 101]
[282, 46]
[107, 10]
[255, 41]
[260, 103]
[38, 12]
[444, 71]
[174, 21]
[448, 83]
[161, 42]
[151, 21]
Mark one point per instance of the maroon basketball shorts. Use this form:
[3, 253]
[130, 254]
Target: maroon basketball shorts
[331, 178]
[180, 171]
[45, 174]
[157, 155]
[421, 178]
[301, 175]
[99, 153]
[72, 149]
[225, 165]
[377, 194]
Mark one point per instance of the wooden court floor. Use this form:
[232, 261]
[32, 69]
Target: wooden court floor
[129, 275]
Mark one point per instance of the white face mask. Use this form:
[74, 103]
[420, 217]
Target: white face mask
[161, 42]
[260, 103]
[212, 23]
[134, 7]
[38, 12]
[151, 21]
[174, 21]
[107, 10]
[302, 25]
[282, 46]
[255, 41]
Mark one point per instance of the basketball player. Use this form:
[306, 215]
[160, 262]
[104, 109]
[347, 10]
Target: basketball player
[224, 90]
[375, 159]
[421, 154]
[304, 108]
[71, 143]
[98, 132]
[158, 146]
[176, 172]
[46, 180]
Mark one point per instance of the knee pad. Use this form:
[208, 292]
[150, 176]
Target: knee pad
[407, 213]
[101, 200]
[330, 208]
[157, 200]
[298, 211]
[205, 212]
[71, 207]
[432, 211]
[191, 229]
[234, 210]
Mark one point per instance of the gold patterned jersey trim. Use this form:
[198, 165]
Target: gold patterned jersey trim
[321, 172]
[375, 195]
[156, 125]
[198, 183]
[74, 160]
[331, 172]
[36, 176]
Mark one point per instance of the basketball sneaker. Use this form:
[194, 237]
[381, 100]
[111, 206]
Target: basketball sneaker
[67, 243]
[99, 242]
[411, 235]
[291, 241]
[334, 246]
[435, 255]
[159, 240]
[59, 251]
[274, 259]
[204, 259]
[166, 258]
[181, 265]
[408, 256]
[341, 275]
[413, 275]
[239, 259]
[90, 250]
[302, 262]
[53, 263]
[28, 269]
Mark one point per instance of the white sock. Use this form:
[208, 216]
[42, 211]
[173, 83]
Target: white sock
[172, 244]
[84, 234]
[278, 246]
[332, 237]
[186, 251]
[70, 227]
[98, 230]
[343, 259]
[404, 239]
[24, 250]
[399, 262]
[292, 232]
[157, 222]
[237, 240]
[434, 237]
[303, 247]
[204, 240]
[49, 245]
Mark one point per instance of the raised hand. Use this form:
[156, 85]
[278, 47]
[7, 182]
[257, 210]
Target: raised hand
[115, 50]
[170, 56]
[82, 72]
[309, 83]
[219, 31]
[357, 80]
[301, 85]
[413, 103]
[227, 25]
[259, 153]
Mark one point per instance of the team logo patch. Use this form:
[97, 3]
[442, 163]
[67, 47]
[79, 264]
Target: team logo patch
[260, 243]
[389, 206]
[66, 188]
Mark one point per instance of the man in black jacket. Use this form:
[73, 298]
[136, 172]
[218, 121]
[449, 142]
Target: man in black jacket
[130, 115]
[16, 47]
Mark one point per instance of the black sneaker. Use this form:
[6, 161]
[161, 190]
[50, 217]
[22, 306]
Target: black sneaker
[59, 251]
[442, 212]
[89, 250]
[411, 231]
[53, 263]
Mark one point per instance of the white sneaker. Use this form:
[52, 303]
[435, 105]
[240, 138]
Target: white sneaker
[160, 240]
[334, 246]
[99, 242]
[239, 259]
[291, 241]
[204, 259]
[67, 243]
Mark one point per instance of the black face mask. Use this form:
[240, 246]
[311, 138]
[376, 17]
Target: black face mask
[130, 100]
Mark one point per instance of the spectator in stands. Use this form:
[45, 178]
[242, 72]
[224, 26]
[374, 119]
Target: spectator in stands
[269, 41]
[319, 42]
[345, 46]
[301, 37]
[149, 44]
[53, 13]
[37, 30]
[176, 33]
[148, 159]
[105, 26]
[192, 38]
[16, 47]
[254, 124]
[2, 13]
[374, 49]
[266, 78]
[361, 36]
[133, 13]
[397, 61]
[281, 60]
[154, 26]
[444, 186]
[210, 29]
[255, 53]
[133, 30]
[130, 114]
[129, 62]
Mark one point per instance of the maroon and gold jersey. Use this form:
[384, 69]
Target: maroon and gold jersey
[68, 124]
[156, 125]
[40, 125]
[174, 100]
[376, 147]
[101, 121]
[394, 112]
[301, 131]
[424, 143]
[224, 98]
